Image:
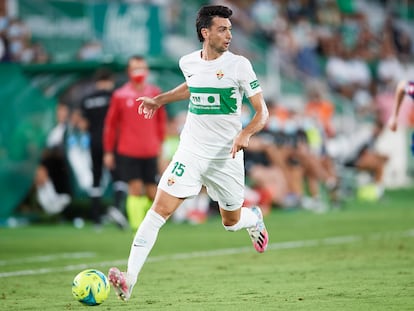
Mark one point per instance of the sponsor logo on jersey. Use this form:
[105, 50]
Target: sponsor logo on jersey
[205, 100]
[212, 100]
[219, 74]
[130, 102]
[171, 181]
[254, 84]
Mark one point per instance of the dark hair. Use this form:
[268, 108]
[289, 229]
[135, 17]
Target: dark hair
[136, 57]
[206, 14]
[103, 74]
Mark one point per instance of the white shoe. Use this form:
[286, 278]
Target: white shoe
[258, 233]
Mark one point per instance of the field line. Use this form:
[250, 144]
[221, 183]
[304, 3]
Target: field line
[218, 252]
[47, 258]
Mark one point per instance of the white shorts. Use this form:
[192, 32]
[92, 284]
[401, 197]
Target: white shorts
[223, 178]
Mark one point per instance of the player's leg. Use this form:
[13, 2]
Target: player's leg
[225, 184]
[180, 180]
[250, 219]
[162, 208]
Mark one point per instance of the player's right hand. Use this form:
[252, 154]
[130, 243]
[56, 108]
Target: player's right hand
[147, 107]
[392, 123]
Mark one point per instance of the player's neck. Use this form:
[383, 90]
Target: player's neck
[209, 54]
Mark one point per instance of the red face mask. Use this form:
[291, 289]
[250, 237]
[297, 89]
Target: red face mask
[138, 76]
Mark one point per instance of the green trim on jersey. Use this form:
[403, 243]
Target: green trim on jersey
[210, 100]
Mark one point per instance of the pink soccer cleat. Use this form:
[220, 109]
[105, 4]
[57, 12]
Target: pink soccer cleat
[119, 283]
[258, 233]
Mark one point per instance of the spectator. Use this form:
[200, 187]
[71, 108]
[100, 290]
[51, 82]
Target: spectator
[136, 140]
[94, 107]
[18, 37]
[4, 43]
[78, 151]
[90, 50]
[52, 175]
[319, 108]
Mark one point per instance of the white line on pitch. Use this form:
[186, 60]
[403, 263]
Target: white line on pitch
[218, 252]
[46, 258]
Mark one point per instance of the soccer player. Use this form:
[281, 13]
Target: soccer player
[210, 152]
[403, 88]
[137, 140]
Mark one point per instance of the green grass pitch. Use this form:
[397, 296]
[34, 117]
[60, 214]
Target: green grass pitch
[360, 257]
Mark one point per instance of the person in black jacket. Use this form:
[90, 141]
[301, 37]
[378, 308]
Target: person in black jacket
[94, 107]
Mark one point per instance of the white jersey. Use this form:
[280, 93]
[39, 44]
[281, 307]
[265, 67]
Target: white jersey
[217, 88]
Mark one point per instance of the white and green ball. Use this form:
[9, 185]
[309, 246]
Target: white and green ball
[90, 287]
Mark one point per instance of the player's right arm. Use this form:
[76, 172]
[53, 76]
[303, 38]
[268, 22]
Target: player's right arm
[398, 98]
[150, 105]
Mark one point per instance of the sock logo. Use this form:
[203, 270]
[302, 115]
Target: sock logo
[140, 243]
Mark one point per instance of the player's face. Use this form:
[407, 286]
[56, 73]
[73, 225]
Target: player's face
[219, 35]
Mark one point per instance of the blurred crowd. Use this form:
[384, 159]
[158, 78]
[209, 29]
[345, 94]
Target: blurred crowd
[16, 44]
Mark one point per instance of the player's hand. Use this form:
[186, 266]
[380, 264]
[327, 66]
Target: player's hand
[392, 123]
[109, 160]
[147, 107]
[240, 142]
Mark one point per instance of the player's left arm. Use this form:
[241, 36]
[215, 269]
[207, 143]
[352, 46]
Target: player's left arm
[255, 125]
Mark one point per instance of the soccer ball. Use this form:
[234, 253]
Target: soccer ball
[90, 287]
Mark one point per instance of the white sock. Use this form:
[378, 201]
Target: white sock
[248, 219]
[141, 246]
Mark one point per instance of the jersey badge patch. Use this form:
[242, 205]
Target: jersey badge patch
[219, 74]
[171, 181]
[254, 84]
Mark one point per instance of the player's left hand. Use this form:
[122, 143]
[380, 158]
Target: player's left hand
[392, 123]
[240, 142]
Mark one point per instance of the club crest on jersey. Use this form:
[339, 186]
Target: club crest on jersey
[130, 102]
[219, 74]
[171, 181]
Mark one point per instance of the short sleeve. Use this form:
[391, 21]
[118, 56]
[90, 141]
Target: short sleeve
[247, 78]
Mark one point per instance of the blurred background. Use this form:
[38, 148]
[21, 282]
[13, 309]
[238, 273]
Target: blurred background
[328, 69]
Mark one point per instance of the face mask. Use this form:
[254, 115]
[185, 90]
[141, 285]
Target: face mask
[290, 127]
[3, 23]
[14, 31]
[273, 124]
[138, 76]
[91, 53]
[16, 47]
